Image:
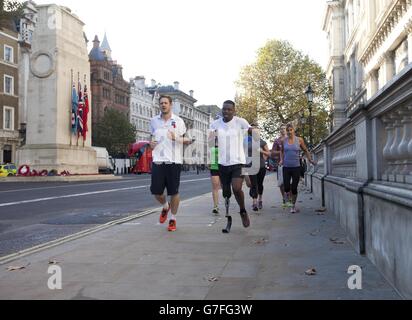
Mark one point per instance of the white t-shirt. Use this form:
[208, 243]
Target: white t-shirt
[230, 140]
[166, 149]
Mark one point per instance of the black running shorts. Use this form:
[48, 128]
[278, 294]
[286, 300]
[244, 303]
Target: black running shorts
[214, 173]
[165, 176]
[227, 173]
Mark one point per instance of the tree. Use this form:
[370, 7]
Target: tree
[246, 107]
[115, 133]
[276, 84]
[10, 11]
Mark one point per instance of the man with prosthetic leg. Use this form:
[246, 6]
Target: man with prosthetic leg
[230, 131]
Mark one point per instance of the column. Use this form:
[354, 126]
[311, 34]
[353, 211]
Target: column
[408, 31]
[363, 149]
[388, 66]
[372, 84]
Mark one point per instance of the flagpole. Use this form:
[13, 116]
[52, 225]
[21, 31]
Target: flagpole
[84, 98]
[79, 93]
[71, 106]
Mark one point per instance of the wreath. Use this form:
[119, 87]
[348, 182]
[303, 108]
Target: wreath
[24, 170]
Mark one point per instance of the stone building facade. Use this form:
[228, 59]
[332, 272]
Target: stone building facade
[9, 94]
[144, 105]
[108, 88]
[367, 159]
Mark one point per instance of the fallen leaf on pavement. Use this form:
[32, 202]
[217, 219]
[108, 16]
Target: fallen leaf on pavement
[15, 268]
[337, 241]
[212, 279]
[261, 241]
[311, 272]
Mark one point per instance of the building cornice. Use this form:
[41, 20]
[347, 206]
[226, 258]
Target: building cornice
[330, 5]
[9, 36]
[396, 12]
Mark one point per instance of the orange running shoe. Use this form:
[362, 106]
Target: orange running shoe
[172, 226]
[163, 215]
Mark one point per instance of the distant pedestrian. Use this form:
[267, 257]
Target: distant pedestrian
[256, 181]
[290, 159]
[167, 131]
[276, 153]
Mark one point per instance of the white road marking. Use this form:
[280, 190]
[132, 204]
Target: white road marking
[71, 185]
[83, 194]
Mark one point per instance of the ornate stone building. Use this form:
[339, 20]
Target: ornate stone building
[370, 42]
[108, 88]
[144, 105]
[367, 159]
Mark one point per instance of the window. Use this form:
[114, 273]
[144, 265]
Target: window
[8, 118]
[8, 85]
[8, 54]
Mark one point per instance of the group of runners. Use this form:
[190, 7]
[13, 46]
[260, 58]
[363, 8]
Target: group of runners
[236, 153]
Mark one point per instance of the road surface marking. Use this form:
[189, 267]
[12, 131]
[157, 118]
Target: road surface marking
[70, 185]
[83, 194]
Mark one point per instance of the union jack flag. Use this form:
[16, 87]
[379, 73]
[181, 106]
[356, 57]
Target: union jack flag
[80, 112]
[75, 105]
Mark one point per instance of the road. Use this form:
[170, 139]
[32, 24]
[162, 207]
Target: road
[36, 213]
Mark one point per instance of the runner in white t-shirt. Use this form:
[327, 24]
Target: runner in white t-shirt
[230, 131]
[167, 144]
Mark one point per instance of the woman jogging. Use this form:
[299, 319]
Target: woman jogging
[290, 159]
[256, 181]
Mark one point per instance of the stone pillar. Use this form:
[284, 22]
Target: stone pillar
[363, 149]
[408, 31]
[59, 58]
[372, 84]
[388, 66]
[24, 71]
[378, 139]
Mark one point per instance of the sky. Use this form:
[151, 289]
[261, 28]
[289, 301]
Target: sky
[202, 44]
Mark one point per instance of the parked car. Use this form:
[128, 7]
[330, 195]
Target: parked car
[104, 161]
[7, 170]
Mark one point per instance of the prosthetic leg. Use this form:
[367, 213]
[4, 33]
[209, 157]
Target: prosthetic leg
[228, 216]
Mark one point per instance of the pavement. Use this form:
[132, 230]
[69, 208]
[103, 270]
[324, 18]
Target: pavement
[140, 260]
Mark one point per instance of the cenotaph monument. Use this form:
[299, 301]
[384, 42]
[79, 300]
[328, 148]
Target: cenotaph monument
[59, 61]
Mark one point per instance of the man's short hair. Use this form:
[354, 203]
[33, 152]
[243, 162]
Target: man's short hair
[229, 102]
[166, 97]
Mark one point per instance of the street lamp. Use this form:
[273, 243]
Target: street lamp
[309, 95]
[303, 122]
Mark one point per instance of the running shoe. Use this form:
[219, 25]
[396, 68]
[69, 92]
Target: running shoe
[260, 205]
[289, 204]
[294, 210]
[163, 215]
[284, 205]
[255, 208]
[215, 211]
[172, 226]
[245, 218]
